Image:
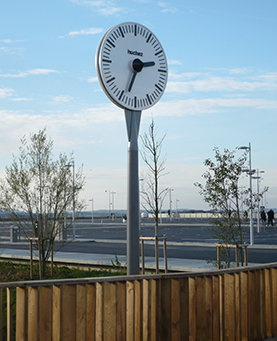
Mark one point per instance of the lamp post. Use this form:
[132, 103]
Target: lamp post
[73, 184]
[91, 210]
[170, 203]
[258, 192]
[108, 191]
[250, 172]
[113, 193]
[177, 208]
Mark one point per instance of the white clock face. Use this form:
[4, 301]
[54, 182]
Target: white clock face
[131, 66]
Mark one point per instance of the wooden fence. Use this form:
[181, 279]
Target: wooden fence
[237, 304]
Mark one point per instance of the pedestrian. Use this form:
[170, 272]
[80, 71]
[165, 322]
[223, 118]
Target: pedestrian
[270, 217]
[263, 217]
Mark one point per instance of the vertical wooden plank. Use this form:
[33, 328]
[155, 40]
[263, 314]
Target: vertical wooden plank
[109, 313]
[45, 313]
[221, 308]
[244, 306]
[9, 314]
[138, 310]
[130, 311]
[238, 305]
[268, 302]
[216, 308]
[263, 310]
[91, 306]
[99, 312]
[209, 307]
[32, 313]
[165, 323]
[1, 313]
[274, 300]
[68, 312]
[229, 307]
[121, 311]
[252, 306]
[56, 313]
[175, 308]
[80, 312]
[192, 309]
[200, 309]
[184, 309]
[146, 312]
[21, 314]
[258, 308]
[155, 309]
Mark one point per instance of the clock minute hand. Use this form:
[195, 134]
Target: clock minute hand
[148, 64]
[132, 81]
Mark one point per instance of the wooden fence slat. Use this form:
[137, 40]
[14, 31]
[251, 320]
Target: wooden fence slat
[109, 312]
[1, 313]
[258, 321]
[81, 312]
[175, 308]
[209, 307]
[244, 305]
[263, 310]
[274, 300]
[68, 308]
[268, 303]
[192, 309]
[221, 307]
[56, 313]
[21, 313]
[238, 306]
[200, 309]
[121, 311]
[155, 309]
[45, 313]
[130, 310]
[99, 312]
[165, 322]
[229, 307]
[9, 314]
[184, 309]
[146, 312]
[216, 308]
[32, 313]
[91, 307]
[252, 305]
[138, 310]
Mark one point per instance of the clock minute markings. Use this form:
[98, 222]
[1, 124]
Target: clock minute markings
[110, 42]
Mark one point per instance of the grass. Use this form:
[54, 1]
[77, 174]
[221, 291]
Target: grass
[13, 272]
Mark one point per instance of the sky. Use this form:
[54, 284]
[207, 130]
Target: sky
[221, 90]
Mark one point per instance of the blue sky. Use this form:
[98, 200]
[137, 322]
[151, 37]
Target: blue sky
[221, 87]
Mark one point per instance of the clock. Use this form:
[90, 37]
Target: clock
[131, 66]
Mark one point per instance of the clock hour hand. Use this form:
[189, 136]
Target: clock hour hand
[137, 66]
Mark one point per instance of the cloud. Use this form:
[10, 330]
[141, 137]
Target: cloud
[167, 8]
[102, 7]
[92, 30]
[93, 79]
[62, 99]
[5, 92]
[22, 74]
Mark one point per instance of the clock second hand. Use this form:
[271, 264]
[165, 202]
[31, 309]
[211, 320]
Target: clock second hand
[138, 65]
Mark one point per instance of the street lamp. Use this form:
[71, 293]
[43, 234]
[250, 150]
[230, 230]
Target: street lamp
[177, 208]
[170, 203]
[73, 183]
[250, 172]
[108, 191]
[258, 192]
[91, 210]
[113, 193]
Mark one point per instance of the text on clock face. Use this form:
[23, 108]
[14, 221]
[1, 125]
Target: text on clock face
[135, 53]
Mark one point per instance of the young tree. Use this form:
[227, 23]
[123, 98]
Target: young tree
[153, 197]
[41, 189]
[221, 191]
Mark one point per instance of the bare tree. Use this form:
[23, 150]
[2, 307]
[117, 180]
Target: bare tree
[152, 196]
[40, 189]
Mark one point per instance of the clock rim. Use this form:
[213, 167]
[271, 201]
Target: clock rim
[98, 67]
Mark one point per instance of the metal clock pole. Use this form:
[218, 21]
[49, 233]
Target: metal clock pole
[133, 123]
